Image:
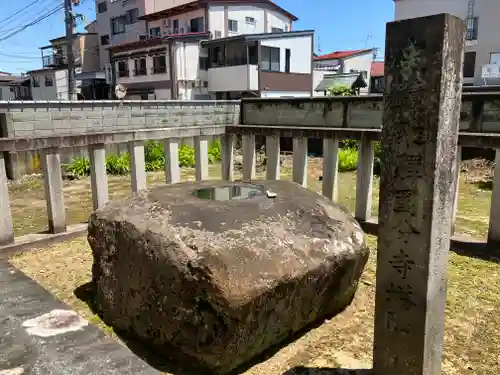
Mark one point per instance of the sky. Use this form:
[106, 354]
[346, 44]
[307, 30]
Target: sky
[338, 25]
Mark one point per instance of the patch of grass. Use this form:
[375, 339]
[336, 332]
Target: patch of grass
[473, 298]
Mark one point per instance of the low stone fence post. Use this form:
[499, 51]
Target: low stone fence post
[423, 72]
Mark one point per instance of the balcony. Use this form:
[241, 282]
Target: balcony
[233, 78]
[55, 60]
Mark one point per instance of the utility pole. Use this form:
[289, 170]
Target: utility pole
[69, 20]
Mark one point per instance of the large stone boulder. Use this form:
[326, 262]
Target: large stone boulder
[220, 278]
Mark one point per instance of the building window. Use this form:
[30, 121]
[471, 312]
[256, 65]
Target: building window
[155, 31]
[288, 54]
[286, 28]
[271, 59]
[203, 63]
[232, 25]
[469, 64]
[175, 26]
[196, 25]
[140, 67]
[104, 40]
[102, 7]
[123, 68]
[118, 25]
[276, 30]
[48, 81]
[132, 15]
[250, 20]
[159, 64]
[217, 34]
[35, 81]
[472, 27]
[216, 57]
[495, 58]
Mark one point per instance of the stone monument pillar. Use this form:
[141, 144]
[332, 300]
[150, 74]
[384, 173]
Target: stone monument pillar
[423, 72]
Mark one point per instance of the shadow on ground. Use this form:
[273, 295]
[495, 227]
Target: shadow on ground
[473, 249]
[173, 362]
[325, 371]
[461, 245]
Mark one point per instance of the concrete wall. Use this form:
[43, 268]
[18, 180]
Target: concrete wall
[31, 119]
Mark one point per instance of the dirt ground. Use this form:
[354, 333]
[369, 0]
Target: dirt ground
[472, 341]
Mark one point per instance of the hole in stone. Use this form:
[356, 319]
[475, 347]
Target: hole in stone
[230, 192]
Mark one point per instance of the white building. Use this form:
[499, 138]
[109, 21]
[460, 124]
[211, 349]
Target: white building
[481, 16]
[192, 66]
[213, 49]
[346, 67]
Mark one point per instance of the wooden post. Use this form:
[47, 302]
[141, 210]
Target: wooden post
[423, 68]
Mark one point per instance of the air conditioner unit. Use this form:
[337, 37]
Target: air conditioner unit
[143, 36]
[490, 74]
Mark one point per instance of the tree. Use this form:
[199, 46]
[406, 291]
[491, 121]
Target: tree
[341, 90]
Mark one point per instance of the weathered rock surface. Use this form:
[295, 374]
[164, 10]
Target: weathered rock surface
[222, 281]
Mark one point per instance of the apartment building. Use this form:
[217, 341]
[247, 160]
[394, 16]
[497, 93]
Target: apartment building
[216, 49]
[351, 68]
[51, 81]
[482, 42]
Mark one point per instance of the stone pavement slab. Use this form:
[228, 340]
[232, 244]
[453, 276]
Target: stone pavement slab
[41, 335]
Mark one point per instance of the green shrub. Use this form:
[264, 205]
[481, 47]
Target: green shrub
[154, 155]
[341, 90]
[186, 156]
[118, 164]
[79, 167]
[348, 160]
[214, 152]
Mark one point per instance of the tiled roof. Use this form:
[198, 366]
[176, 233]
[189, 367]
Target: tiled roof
[377, 69]
[342, 54]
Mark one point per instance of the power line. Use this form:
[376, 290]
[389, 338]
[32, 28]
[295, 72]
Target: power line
[22, 57]
[13, 23]
[19, 11]
[36, 21]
